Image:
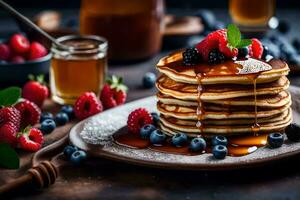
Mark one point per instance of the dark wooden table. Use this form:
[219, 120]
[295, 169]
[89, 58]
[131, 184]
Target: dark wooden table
[104, 179]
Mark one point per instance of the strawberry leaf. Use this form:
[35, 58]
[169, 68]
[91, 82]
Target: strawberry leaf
[10, 96]
[233, 35]
[8, 157]
[244, 43]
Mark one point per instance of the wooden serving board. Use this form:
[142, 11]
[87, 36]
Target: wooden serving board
[93, 136]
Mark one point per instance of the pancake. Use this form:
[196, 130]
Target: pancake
[275, 100]
[190, 113]
[172, 66]
[210, 130]
[184, 91]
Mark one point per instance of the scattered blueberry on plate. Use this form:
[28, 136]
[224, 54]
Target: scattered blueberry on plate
[149, 80]
[157, 137]
[61, 118]
[155, 118]
[197, 145]
[68, 110]
[293, 132]
[146, 131]
[47, 126]
[219, 140]
[46, 115]
[179, 139]
[275, 140]
[69, 150]
[78, 157]
[220, 151]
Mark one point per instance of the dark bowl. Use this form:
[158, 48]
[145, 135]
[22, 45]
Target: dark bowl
[17, 73]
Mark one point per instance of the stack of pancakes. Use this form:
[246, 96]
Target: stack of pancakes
[230, 98]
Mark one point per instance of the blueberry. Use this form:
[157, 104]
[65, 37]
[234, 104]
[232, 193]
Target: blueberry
[157, 137]
[207, 18]
[275, 140]
[293, 132]
[149, 80]
[146, 131]
[78, 157]
[283, 26]
[265, 51]
[219, 151]
[47, 126]
[46, 115]
[219, 140]
[61, 118]
[68, 110]
[198, 145]
[155, 118]
[69, 150]
[179, 139]
[243, 52]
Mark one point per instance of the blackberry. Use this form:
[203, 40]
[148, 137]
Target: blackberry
[215, 57]
[191, 56]
[243, 52]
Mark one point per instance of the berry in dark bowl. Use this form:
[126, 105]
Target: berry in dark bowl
[61, 118]
[46, 115]
[47, 126]
[275, 140]
[179, 139]
[157, 137]
[69, 110]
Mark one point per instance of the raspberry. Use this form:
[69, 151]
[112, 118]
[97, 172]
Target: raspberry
[210, 42]
[30, 113]
[5, 52]
[215, 57]
[31, 140]
[87, 105]
[256, 48]
[113, 93]
[229, 53]
[191, 56]
[10, 114]
[19, 43]
[36, 51]
[137, 119]
[8, 134]
[17, 59]
[35, 91]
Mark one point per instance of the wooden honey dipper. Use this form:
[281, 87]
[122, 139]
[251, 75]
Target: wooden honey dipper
[41, 176]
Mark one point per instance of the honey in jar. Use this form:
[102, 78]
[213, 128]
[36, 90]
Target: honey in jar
[78, 69]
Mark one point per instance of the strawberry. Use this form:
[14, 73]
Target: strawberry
[256, 49]
[87, 105]
[8, 134]
[137, 119]
[30, 113]
[10, 115]
[31, 139]
[35, 90]
[223, 47]
[19, 43]
[113, 93]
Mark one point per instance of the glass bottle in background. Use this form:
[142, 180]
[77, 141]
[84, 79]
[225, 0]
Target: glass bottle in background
[133, 28]
[79, 69]
[252, 15]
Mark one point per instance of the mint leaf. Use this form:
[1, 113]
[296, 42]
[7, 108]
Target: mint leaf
[9, 96]
[244, 43]
[233, 35]
[8, 157]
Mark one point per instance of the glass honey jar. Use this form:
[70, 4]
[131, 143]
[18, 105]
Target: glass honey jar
[79, 68]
